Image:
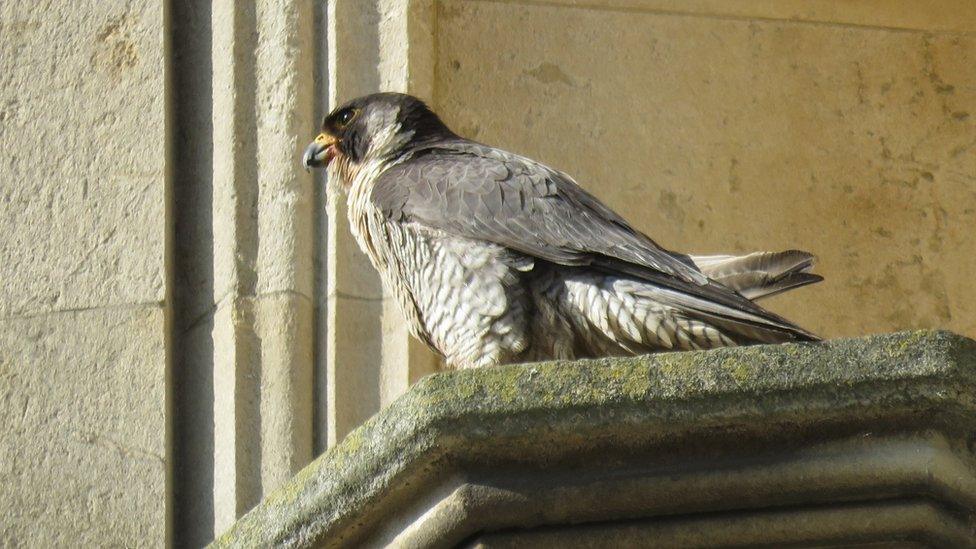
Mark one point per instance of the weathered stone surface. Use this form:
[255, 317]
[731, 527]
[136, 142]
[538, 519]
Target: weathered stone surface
[897, 525]
[722, 127]
[283, 323]
[884, 420]
[936, 15]
[83, 190]
[84, 438]
[262, 226]
[83, 203]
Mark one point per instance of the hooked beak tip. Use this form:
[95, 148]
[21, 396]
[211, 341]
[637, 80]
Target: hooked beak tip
[313, 156]
[320, 152]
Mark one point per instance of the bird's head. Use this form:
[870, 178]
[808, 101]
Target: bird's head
[381, 126]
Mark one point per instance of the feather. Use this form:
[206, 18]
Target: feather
[760, 274]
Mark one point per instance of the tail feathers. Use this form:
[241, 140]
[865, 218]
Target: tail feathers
[760, 274]
[754, 325]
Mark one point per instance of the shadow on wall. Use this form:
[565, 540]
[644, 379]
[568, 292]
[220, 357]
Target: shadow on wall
[193, 306]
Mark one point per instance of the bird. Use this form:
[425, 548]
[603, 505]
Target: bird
[495, 258]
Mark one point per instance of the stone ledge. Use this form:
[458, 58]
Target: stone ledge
[561, 450]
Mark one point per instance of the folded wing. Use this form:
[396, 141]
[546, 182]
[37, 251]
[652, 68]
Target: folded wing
[472, 190]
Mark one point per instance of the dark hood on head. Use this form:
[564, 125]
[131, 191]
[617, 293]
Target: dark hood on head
[413, 115]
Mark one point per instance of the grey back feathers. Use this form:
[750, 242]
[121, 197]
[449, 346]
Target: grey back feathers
[500, 197]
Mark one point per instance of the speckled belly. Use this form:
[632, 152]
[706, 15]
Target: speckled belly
[464, 298]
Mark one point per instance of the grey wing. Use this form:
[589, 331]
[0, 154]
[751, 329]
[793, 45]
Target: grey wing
[479, 192]
[486, 193]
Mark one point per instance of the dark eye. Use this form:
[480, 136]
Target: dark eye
[345, 117]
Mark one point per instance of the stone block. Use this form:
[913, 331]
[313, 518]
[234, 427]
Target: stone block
[262, 398]
[933, 15]
[83, 194]
[82, 404]
[849, 441]
[83, 324]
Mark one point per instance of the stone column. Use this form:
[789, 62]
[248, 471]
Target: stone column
[262, 228]
[243, 77]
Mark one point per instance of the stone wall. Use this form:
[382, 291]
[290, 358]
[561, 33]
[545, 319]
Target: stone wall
[185, 322]
[842, 128]
[83, 314]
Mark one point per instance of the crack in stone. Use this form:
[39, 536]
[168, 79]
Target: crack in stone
[111, 306]
[97, 439]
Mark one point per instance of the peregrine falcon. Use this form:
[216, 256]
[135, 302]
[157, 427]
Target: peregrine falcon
[495, 258]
